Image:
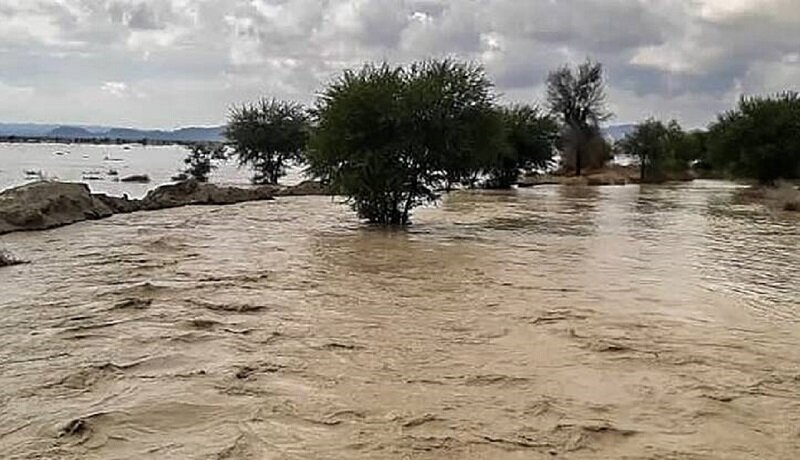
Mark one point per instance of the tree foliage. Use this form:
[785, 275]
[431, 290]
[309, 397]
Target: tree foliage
[389, 138]
[451, 110]
[199, 162]
[578, 99]
[268, 135]
[530, 143]
[759, 139]
[659, 147]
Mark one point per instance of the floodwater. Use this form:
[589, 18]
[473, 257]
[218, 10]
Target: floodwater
[102, 166]
[555, 322]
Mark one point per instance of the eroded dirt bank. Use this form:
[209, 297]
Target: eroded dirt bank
[658, 322]
[49, 204]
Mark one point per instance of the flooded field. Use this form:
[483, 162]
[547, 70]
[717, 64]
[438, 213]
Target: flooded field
[102, 166]
[555, 322]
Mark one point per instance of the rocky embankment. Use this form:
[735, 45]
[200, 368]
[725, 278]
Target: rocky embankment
[46, 204]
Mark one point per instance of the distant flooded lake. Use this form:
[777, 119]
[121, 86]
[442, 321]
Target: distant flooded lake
[554, 322]
[97, 164]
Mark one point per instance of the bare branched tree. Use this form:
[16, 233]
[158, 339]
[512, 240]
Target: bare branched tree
[578, 99]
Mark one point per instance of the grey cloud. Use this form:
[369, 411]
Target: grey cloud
[591, 25]
[380, 23]
[143, 17]
[676, 55]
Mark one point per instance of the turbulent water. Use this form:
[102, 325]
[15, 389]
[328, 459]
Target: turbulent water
[566, 322]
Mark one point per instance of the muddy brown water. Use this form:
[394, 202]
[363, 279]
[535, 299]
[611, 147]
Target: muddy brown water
[556, 322]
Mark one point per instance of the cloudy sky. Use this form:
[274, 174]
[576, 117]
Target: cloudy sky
[167, 63]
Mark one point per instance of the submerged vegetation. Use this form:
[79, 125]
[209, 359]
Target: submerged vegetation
[391, 138]
[578, 98]
[664, 151]
[199, 162]
[531, 136]
[759, 139]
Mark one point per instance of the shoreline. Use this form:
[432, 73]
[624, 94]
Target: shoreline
[606, 176]
[43, 205]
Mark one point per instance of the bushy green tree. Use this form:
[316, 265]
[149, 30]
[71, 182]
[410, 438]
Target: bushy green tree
[389, 137]
[531, 137]
[199, 162]
[648, 144]
[268, 135]
[451, 104]
[578, 99]
[662, 149]
[759, 139]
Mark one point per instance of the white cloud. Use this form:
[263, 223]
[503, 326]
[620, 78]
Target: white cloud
[115, 88]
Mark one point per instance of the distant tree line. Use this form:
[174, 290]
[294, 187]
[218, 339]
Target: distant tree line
[390, 138]
[664, 150]
[758, 140]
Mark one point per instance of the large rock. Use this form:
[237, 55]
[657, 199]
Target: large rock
[137, 178]
[42, 205]
[193, 192]
[305, 188]
[46, 204]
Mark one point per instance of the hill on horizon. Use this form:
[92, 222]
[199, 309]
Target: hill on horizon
[187, 134]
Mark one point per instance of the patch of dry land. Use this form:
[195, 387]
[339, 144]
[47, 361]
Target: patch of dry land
[610, 175]
[47, 204]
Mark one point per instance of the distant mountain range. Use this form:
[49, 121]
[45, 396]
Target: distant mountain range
[617, 132]
[189, 134]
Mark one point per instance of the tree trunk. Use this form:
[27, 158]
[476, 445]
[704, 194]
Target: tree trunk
[641, 169]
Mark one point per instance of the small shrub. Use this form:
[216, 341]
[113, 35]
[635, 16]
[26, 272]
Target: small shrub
[199, 161]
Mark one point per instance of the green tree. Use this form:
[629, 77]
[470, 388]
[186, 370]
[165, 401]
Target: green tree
[199, 162]
[648, 144]
[268, 135]
[578, 98]
[531, 139]
[451, 108]
[760, 139]
[662, 149]
[389, 137]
